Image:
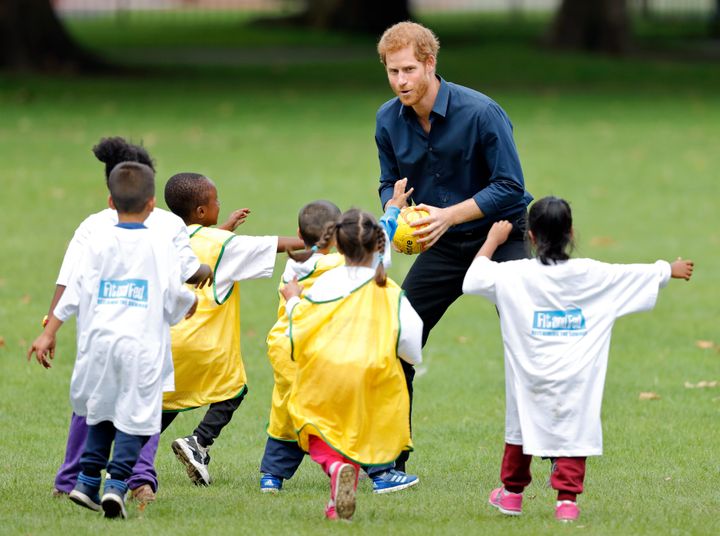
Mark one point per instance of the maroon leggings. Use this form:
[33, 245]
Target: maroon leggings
[567, 475]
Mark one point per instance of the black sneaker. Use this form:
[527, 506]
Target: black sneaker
[194, 457]
[113, 499]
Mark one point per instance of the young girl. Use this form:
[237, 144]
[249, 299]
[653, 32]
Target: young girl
[349, 403]
[556, 317]
[282, 454]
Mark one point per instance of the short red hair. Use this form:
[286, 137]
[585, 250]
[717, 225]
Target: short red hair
[424, 42]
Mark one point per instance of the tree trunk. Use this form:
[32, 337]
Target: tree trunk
[32, 38]
[367, 16]
[715, 21]
[594, 25]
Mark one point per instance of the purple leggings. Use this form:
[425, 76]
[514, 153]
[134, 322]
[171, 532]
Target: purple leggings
[143, 472]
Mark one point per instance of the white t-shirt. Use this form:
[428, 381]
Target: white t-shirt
[245, 257]
[556, 322]
[126, 290]
[343, 280]
[160, 220]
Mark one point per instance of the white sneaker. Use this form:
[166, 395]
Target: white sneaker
[195, 458]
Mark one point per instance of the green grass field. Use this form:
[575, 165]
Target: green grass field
[633, 144]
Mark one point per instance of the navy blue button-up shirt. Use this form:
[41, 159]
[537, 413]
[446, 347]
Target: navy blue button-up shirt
[469, 152]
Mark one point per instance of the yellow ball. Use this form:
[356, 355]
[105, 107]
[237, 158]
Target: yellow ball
[404, 239]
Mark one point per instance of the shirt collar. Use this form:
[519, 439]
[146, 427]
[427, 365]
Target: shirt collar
[441, 101]
[131, 225]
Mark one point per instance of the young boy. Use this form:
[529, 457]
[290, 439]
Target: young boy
[125, 291]
[206, 349]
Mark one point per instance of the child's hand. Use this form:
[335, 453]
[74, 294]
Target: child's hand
[499, 232]
[44, 349]
[681, 269]
[236, 218]
[400, 196]
[203, 276]
[291, 289]
[192, 309]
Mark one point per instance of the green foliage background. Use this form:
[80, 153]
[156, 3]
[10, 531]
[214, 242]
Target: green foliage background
[279, 118]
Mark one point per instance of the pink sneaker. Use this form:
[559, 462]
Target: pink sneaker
[508, 503]
[567, 511]
[330, 512]
[342, 492]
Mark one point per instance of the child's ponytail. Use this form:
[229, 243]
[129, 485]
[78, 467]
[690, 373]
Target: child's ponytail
[380, 275]
[326, 239]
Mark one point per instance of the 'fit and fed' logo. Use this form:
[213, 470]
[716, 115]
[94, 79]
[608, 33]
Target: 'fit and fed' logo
[130, 292]
[567, 323]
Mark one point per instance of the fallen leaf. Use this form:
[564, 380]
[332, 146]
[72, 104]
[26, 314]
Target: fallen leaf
[462, 339]
[25, 299]
[601, 241]
[649, 395]
[705, 345]
[2, 342]
[703, 384]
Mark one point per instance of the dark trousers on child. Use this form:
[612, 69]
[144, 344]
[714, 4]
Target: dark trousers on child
[282, 459]
[435, 279]
[567, 477]
[99, 442]
[218, 415]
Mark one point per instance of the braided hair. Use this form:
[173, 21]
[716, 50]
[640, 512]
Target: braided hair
[358, 236]
[312, 221]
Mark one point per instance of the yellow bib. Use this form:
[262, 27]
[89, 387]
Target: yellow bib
[284, 368]
[206, 347]
[350, 388]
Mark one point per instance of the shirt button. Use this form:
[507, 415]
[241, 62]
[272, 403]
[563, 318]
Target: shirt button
[430, 149]
[437, 175]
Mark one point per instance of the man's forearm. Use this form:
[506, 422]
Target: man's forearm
[467, 210]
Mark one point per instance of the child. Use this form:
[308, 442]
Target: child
[556, 317]
[206, 349]
[111, 152]
[282, 454]
[349, 402]
[125, 291]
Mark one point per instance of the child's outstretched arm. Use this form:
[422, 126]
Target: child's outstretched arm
[44, 345]
[497, 236]
[289, 243]
[681, 269]
[235, 219]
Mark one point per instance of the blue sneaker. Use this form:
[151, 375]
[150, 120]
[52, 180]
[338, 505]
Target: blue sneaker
[86, 492]
[270, 483]
[393, 480]
[113, 499]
